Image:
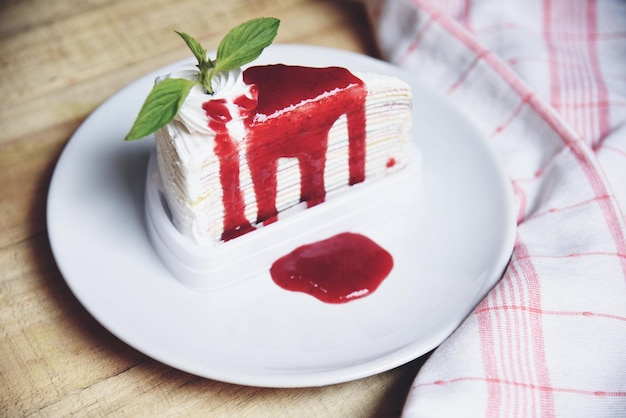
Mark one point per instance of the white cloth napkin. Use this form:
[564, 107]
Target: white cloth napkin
[545, 82]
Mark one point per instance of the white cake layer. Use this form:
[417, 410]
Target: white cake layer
[189, 166]
[394, 202]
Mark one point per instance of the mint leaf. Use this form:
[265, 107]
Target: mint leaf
[245, 42]
[196, 48]
[241, 45]
[160, 107]
[204, 63]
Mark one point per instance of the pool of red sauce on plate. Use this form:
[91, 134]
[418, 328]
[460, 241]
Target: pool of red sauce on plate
[339, 269]
[336, 270]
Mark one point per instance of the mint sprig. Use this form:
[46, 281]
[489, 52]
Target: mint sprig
[160, 107]
[244, 43]
[241, 45]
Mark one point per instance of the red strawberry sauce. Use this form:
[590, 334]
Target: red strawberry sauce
[339, 269]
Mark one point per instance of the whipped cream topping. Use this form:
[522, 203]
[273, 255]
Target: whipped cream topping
[226, 86]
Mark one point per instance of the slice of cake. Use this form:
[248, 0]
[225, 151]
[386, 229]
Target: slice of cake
[252, 162]
[276, 137]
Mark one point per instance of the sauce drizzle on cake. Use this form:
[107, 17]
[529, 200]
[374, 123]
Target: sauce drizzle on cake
[314, 98]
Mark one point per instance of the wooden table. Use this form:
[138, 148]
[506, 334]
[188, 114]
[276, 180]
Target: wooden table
[59, 61]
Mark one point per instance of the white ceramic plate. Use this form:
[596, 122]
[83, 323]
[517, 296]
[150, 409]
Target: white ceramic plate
[256, 333]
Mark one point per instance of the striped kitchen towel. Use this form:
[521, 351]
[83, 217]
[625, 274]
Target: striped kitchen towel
[545, 83]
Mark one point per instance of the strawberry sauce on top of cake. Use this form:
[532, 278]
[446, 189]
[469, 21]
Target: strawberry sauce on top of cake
[288, 114]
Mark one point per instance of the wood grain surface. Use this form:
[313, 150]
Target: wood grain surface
[58, 61]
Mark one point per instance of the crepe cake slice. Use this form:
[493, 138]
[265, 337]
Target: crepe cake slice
[276, 139]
